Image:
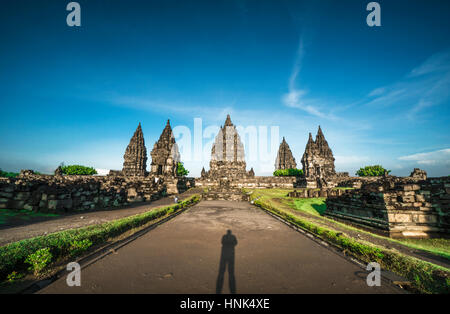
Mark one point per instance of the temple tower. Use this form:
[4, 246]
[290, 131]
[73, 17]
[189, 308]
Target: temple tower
[285, 159]
[165, 154]
[318, 160]
[135, 157]
[227, 154]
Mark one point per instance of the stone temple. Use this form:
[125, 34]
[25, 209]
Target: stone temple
[285, 159]
[165, 154]
[135, 157]
[318, 161]
[227, 155]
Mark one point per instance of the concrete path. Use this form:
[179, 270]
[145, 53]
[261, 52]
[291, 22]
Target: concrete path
[42, 226]
[183, 256]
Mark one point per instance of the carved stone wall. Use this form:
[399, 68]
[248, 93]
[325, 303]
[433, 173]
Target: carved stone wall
[44, 193]
[402, 207]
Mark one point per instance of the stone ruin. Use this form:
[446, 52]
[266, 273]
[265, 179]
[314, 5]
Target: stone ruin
[318, 162]
[50, 194]
[135, 157]
[285, 159]
[397, 206]
[165, 154]
[227, 155]
[418, 174]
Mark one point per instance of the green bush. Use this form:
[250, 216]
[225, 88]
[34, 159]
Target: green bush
[78, 247]
[14, 276]
[8, 174]
[372, 171]
[288, 173]
[39, 260]
[181, 171]
[78, 170]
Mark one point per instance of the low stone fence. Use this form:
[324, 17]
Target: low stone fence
[46, 193]
[255, 182]
[356, 182]
[312, 193]
[402, 207]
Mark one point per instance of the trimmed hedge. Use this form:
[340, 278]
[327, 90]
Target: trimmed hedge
[13, 255]
[425, 277]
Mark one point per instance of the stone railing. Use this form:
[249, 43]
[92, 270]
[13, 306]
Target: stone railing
[402, 207]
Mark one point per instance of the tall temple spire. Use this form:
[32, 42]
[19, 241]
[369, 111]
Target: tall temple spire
[318, 160]
[227, 153]
[165, 154]
[228, 121]
[285, 159]
[135, 157]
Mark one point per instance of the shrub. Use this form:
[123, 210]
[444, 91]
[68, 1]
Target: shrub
[181, 171]
[78, 247]
[8, 174]
[372, 171]
[288, 173]
[39, 260]
[78, 170]
[14, 276]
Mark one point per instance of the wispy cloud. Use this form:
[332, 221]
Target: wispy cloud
[439, 62]
[377, 92]
[438, 157]
[297, 98]
[424, 86]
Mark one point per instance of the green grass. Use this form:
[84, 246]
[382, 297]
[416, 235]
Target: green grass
[13, 255]
[425, 277]
[315, 206]
[7, 214]
[436, 246]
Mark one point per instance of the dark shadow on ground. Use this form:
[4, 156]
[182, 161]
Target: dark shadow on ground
[229, 241]
[319, 208]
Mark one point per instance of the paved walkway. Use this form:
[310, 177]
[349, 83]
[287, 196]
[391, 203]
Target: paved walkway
[183, 256]
[42, 226]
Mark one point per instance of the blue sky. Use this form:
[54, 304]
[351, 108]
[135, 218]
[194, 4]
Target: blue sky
[76, 94]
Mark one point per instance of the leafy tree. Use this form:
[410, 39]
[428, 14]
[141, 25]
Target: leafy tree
[78, 170]
[181, 171]
[372, 171]
[288, 173]
[8, 174]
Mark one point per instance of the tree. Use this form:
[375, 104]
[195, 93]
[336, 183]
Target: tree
[78, 170]
[181, 171]
[288, 173]
[372, 171]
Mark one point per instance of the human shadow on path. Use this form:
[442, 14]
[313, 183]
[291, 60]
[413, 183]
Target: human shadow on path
[229, 241]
